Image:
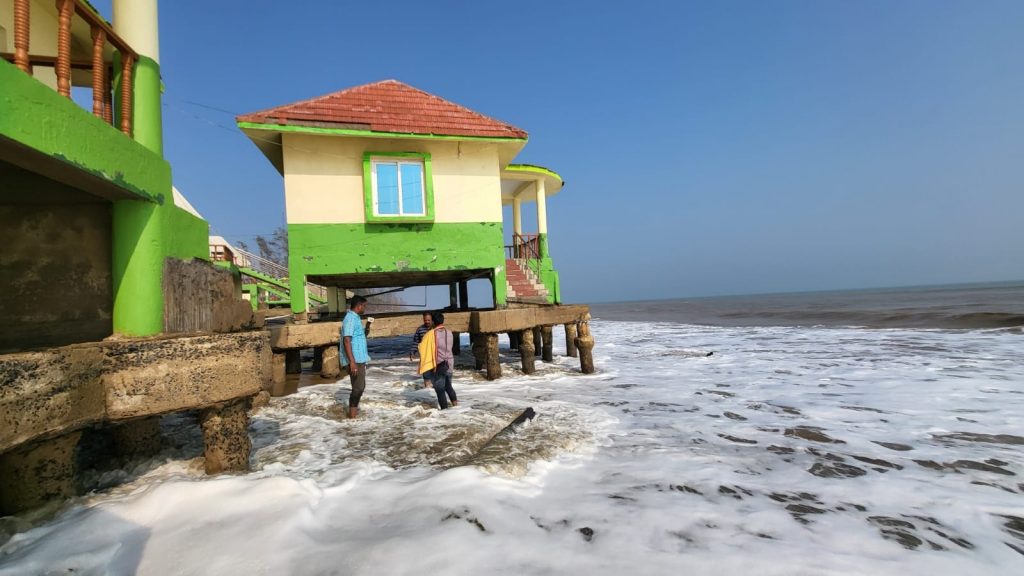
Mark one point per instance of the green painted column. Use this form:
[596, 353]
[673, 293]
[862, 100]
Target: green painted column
[147, 118]
[297, 287]
[139, 235]
[137, 268]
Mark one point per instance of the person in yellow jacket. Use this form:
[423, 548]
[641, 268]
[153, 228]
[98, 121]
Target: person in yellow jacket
[437, 356]
[423, 330]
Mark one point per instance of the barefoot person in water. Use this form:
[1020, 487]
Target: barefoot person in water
[353, 351]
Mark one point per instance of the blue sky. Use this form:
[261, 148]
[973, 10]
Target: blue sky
[717, 147]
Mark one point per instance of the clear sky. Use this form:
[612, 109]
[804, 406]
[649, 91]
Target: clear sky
[713, 147]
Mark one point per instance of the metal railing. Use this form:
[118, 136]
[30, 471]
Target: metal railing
[245, 259]
[102, 71]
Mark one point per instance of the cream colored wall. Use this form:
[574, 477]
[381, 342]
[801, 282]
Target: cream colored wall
[323, 178]
[42, 38]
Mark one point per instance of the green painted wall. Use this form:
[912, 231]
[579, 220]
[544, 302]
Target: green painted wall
[353, 248]
[40, 118]
[146, 230]
[185, 236]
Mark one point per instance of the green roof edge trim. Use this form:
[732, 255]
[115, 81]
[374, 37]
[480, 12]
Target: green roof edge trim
[535, 169]
[369, 133]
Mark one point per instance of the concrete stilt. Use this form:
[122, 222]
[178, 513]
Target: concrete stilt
[479, 350]
[456, 343]
[547, 354]
[526, 351]
[32, 475]
[226, 436]
[538, 339]
[493, 362]
[585, 344]
[138, 437]
[513, 340]
[278, 375]
[318, 358]
[570, 340]
[331, 366]
[292, 362]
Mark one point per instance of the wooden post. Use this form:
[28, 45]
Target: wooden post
[67, 10]
[479, 349]
[493, 361]
[570, 340]
[585, 343]
[22, 17]
[99, 70]
[547, 354]
[127, 62]
[526, 351]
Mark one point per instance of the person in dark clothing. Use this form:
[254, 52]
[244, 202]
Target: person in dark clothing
[445, 363]
[428, 324]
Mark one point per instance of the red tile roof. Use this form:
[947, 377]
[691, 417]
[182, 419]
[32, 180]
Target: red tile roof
[386, 106]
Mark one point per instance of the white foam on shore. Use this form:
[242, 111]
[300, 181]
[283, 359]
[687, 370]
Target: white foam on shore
[663, 462]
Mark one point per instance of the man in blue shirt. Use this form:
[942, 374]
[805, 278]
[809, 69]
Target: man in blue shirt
[353, 351]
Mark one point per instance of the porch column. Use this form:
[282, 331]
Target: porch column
[136, 22]
[517, 215]
[542, 218]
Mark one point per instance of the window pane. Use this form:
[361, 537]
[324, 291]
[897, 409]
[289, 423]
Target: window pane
[387, 188]
[412, 189]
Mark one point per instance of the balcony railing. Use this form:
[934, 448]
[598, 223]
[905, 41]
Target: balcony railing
[102, 71]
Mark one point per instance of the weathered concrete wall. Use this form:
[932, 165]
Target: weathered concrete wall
[54, 270]
[201, 297]
[44, 394]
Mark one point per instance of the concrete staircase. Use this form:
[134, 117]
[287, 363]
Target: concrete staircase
[523, 284]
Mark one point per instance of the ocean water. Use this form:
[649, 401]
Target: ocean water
[796, 450]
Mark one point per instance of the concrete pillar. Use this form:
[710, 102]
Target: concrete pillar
[453, 296]
[456, 343]
[479, 349]
[335, 297]
[493, 360]
[517, 216]
[526, 351]
[137, 263]
[138, 437]
[136, 22]
[547, 353]
[278, 375]
[226, 436]
[30, 476]
[542, 218]
[538, 339]
[331, 367]
[513, 340]
[318, 358]
[585, 344]
[463, 295]
[570, 340]
[293, 361]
